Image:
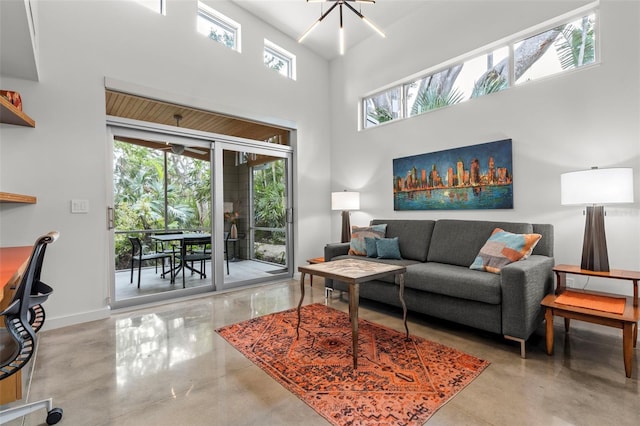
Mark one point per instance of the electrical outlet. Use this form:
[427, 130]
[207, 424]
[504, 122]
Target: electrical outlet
[570, 282]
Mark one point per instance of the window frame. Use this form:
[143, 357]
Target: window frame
[279, 52]
[508, 42]
[160, 6]
[222, 21]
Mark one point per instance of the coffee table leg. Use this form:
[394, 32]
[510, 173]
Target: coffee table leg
[300, 303]
[354, 297]
[400, 281]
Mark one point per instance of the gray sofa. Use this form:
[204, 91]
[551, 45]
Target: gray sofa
[439, 283]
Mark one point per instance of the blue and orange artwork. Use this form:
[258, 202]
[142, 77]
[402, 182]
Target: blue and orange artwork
[466, 178]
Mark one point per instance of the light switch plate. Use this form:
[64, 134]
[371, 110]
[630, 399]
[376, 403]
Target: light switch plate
[79, 206]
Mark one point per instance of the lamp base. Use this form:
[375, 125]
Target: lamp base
[594, 246]
[346, 227]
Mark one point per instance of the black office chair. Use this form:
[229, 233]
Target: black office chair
[22, 318]
[138, 255]
[194, 250]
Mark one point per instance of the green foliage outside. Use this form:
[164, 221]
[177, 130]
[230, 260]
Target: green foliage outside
[381, 114]
[224, 38]
[273, 62]
[269, 195]
[431, 98]
[139, 195]
[577, 46]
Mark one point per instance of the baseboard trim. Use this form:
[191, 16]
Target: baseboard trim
[59, 322]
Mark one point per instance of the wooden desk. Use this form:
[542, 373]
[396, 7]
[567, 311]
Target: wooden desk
[13, 260]
[627, 321]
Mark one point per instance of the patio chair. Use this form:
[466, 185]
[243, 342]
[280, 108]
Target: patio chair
[194, 250]
[138, 255]
[18, 342]
[166, 246]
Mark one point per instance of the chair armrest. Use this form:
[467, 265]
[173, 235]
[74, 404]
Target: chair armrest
[524, 284]
[335, 249]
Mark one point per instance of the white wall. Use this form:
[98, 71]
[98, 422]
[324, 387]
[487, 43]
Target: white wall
[65, 156]
[570, 122]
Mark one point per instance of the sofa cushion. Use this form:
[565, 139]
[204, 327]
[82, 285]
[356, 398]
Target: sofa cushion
[358, 234]
[458, 242]
[503, 248]
[454, 281]
[414, 236]
[388, 248]
[370, 245]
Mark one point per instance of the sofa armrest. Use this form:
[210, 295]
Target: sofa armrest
[334, 250]
[524, 285]
[330, 252]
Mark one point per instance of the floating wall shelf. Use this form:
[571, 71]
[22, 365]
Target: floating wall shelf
[11, 115]
[7, 197]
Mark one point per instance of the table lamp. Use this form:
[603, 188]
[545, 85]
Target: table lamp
[594, 188]
[345, 201]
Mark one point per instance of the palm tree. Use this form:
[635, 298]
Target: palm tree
[576, 47]
[432, 98]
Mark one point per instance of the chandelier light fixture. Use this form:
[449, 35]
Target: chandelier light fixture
[339, 4]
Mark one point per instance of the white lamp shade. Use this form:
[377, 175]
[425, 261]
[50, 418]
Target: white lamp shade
[345, 200]
[597, 186]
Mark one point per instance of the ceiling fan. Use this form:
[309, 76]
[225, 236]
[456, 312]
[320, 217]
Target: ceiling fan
[180, 149]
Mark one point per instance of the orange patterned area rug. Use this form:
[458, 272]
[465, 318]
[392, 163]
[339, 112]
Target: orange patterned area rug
[398, 382]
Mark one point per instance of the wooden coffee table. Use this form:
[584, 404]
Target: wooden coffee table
[354, 272]
[313, 262]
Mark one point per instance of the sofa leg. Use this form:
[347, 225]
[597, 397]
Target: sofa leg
[523, 351]
[328, 291]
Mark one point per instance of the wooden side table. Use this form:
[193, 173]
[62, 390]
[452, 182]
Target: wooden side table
[314, 261]
[627, 321]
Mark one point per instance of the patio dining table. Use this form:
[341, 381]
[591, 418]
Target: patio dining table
[168, 238]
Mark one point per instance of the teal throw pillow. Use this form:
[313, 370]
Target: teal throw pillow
[370, 244]
[357, 246]
[388, 248]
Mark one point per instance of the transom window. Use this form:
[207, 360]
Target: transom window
[280, 60]
[567, 43]
[218, 27]
[158, 6]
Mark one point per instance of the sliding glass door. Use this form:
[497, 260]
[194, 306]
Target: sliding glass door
[161, 201]
[205, 214]
[256, 208]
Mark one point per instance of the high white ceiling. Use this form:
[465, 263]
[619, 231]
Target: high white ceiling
[294, 17]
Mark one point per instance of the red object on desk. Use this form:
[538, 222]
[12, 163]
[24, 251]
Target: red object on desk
[12, 261]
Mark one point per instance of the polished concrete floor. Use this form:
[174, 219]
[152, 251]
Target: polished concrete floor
[166, 365]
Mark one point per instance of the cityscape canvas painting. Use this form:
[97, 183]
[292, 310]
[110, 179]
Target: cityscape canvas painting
[471, 177]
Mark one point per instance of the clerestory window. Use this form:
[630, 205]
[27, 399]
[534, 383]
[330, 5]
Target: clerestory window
[280, 60]
[567, 43]
[218, 27]
[158, 6]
